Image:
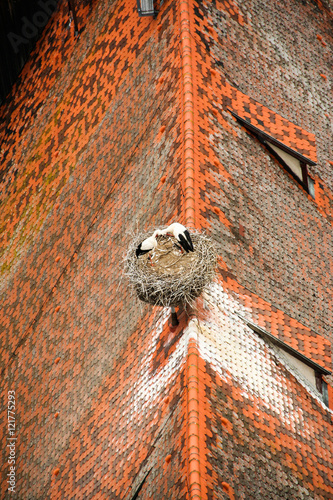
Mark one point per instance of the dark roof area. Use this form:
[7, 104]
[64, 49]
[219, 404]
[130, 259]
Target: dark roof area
[21, 24]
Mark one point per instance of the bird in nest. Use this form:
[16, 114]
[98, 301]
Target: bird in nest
[146, 246]
[178, 231]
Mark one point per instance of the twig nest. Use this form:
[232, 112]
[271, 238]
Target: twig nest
[167, 276]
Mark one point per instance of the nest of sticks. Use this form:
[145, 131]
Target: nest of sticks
[166, 276]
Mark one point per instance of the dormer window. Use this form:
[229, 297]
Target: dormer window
[147, 8]
[292, 161]
[296, 167]
[306, 368]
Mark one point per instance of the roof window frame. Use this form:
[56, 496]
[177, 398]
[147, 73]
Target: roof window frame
[147, 8]
[267, 140]
[321, 384]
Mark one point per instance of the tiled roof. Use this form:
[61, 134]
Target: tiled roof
[106, 391]
[275, 126]
[290, 331]
[255, 407]
[216, 95]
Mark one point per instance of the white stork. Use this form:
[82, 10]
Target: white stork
[180, 233]
[147, 245]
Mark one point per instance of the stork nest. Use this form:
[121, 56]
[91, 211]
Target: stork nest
[168, 277]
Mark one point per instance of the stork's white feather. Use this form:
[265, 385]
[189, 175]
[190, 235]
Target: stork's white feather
[149, 243]
[180, 233]
[174, 229]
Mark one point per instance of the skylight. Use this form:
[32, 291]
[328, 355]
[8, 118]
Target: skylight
[301, 366]
[297, 168]
[292, 161]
